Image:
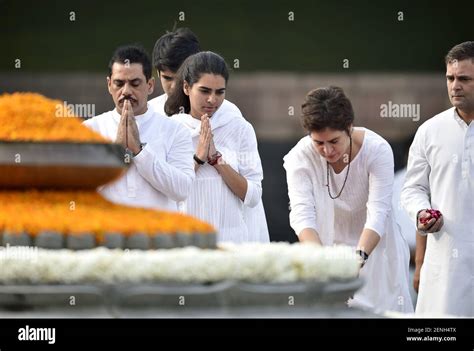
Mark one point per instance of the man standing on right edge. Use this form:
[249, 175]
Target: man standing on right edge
[440, 177]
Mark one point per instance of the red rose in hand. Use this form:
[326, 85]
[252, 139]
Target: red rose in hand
[433, 214]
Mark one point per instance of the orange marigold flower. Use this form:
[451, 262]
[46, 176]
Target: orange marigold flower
[33, 117]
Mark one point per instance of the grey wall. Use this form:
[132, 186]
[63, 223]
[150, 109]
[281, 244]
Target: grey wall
[267, 100]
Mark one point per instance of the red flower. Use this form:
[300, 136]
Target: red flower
[432, 214]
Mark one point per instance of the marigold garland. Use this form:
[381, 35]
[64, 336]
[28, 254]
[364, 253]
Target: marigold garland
[33, 117]
[78, 212]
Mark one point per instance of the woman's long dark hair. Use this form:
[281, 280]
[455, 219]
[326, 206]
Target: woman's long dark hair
[191, 71]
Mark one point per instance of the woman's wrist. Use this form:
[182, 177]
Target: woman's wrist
[364, 256]
[202, 155]
[214, 159]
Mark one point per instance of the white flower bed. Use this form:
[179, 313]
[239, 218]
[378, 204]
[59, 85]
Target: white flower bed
[251, 262]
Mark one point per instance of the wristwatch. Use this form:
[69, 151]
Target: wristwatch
[128, 155]
[214, 158]
[131, 153]
[364, 256]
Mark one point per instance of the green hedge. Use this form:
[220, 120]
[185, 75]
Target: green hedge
[258, 33]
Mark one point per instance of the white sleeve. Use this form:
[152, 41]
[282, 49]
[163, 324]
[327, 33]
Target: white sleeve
[250, 166]
[381, 173]
[300, 192]
[171, 173]
[416, 189]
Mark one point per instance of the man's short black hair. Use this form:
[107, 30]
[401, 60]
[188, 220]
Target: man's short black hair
[131, 54]
[461, 52]
[173, 48]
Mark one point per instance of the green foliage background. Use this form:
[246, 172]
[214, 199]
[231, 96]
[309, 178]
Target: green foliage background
[258, 33]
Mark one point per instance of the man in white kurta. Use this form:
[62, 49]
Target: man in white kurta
[440, 171]
[162, 173]
[159, 150]
[440, 176]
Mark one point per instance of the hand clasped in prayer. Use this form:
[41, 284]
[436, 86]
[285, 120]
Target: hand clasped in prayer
[127, 134]
[205, 136]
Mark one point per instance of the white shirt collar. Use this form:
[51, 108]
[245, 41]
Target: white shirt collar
[460, 121]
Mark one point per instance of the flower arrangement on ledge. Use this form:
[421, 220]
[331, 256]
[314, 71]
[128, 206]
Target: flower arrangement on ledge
[78, 219]
[33, 117]
[85, 214]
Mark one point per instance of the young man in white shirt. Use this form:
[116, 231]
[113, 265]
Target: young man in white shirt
[158, 149]
[438, 194]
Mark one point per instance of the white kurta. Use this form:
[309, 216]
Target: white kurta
[162, 173]
[440, 176]
[405, 222]
[365, 202]
[254, 217]
[211, 199]
[158, 104]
